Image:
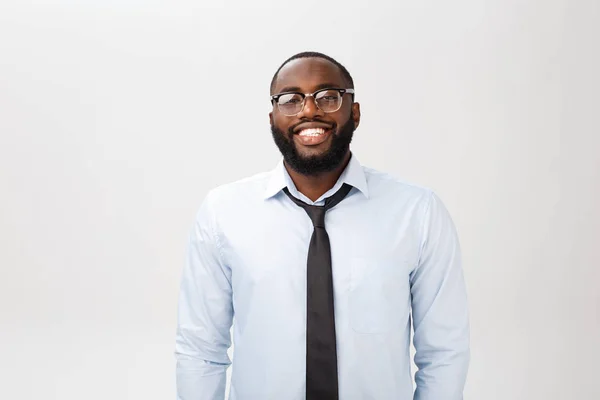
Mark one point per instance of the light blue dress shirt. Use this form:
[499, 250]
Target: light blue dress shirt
[395, 260]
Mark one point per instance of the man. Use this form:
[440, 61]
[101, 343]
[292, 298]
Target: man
[324, 264]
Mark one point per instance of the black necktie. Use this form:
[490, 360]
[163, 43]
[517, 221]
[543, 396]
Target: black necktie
[321, 352]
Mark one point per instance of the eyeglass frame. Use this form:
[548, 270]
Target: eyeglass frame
[341, 91]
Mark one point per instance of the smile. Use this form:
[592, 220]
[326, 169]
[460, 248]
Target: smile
[312, 132]
[313, 136]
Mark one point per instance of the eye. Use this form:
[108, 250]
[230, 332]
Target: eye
[290, 98]
[328, 95]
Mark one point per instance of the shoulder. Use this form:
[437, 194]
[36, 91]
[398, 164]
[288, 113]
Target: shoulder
[388, 186]
[232, 195]
[406, 199]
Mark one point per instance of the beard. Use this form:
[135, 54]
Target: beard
[317, 164]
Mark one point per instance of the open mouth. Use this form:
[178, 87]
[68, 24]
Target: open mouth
[313, 136]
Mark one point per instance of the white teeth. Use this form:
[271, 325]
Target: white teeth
[312, 132]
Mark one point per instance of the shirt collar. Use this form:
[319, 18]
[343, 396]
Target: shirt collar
[353, 175]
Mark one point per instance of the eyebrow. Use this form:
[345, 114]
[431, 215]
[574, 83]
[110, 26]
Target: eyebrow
[297, 89]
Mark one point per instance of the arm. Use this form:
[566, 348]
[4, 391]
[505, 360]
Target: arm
[439, 309]
[205, 315]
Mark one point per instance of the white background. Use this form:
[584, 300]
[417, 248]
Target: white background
[116, 118]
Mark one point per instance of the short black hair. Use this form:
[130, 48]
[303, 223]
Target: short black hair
[314, 54]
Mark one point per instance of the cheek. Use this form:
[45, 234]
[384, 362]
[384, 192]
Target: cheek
[281, 123]
[343, 118]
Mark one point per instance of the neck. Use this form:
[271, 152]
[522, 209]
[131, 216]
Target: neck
[314, 186]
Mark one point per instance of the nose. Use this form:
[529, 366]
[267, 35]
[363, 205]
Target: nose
[310, 108]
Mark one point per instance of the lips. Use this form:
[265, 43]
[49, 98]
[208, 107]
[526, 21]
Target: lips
[311, 125]
[312, 136]
[311, 132]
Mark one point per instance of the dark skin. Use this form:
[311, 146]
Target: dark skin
[307, 75]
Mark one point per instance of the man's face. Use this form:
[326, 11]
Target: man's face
[312, 141]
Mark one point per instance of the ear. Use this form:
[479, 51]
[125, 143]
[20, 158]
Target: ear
[271, 118]
[356, 114]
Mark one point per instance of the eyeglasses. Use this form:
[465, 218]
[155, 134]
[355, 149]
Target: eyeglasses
[328, 100]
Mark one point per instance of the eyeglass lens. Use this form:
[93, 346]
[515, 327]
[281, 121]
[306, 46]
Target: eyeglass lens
[293, 103]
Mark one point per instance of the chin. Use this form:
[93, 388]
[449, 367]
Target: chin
[311, 153]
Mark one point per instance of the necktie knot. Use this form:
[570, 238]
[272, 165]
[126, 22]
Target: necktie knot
[317, 213]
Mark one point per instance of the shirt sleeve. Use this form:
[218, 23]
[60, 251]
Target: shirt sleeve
[205, 314]
[439, 310]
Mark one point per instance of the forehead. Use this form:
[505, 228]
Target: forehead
[308, 74]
